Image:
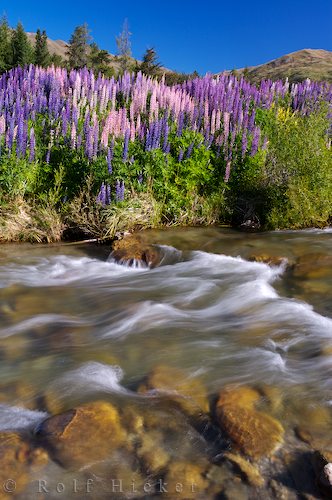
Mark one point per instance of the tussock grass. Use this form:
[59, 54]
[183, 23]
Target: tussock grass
[21, 221]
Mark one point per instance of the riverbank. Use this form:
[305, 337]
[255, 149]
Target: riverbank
[91, 155]
[41, 223]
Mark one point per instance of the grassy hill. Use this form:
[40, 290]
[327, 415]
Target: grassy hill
[315, 64]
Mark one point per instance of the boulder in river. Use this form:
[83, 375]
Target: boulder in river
[83, 435]
[272, 260]
[253, 432]
[133, 251]
[189, 393]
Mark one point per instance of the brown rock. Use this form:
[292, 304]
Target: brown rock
[190, 394]
[273, 396]
[86, 434]
[313, 266]
[14, 348]
[152, 453]
[132, 250]
[254, 433]
[272, 260]
[18, 393]
[186, 481]
[17, 459]
[250, 472]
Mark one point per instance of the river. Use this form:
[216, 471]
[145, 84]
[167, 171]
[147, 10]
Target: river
[77, 327]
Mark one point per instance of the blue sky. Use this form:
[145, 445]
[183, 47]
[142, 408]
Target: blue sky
[188, 35]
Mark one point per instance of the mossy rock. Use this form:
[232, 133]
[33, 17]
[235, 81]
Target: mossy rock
[252, 432]
[186, 481]
[17, 459]
[83, 435]
[247, 469]
[188, 393]
[133, 251]
[152, 453]
[313, 266]
[272, 260]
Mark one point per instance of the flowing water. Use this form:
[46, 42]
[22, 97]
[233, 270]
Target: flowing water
[77, 327]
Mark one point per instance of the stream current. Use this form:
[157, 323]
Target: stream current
[77, 327]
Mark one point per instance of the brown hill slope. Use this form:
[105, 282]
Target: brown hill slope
[315, 64]
[58, 47]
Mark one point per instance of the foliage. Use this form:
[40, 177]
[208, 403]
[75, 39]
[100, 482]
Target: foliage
[150, 65]
[5, 46]
[124, 47]
[42, 55]
[22, 51]
[78, 47]
[97, 150]
[98, 60]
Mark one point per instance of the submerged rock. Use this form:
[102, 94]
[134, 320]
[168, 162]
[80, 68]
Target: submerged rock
[152, 453]
[86, 434]
[313, 266]
[272, 260]
[248, 470]
[185, 481]
[17, 459]
[253, 432]
[189, 393]
[18, 393]
[132, 251]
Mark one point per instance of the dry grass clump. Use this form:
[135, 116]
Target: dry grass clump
[21, 221]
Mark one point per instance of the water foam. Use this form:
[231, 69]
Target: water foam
[89, 378]
[16, 418]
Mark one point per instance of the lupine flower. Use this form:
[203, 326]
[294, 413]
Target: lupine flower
[255, 141]
[119, 191]
[32, 145]
[126, 144]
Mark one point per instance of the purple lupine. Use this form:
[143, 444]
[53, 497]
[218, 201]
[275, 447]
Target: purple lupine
[255, 141]
[126, 145]
[244, 143]
[101, 197]
[190, 150]
[48, 155]
[32, 145]
[119, 191]
[180, 157]
[227, 171]
[109, 157]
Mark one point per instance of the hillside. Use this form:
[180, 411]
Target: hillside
[315, 64]
[58, 47]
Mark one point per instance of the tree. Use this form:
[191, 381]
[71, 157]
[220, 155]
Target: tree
[57, 60]
[99, 60]
[78, 48]
[150, 65]
[42, 55]
[22, 50]
[124, 47]
[5, 45]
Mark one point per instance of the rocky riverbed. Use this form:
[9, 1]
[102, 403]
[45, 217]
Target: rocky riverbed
[192, 364]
